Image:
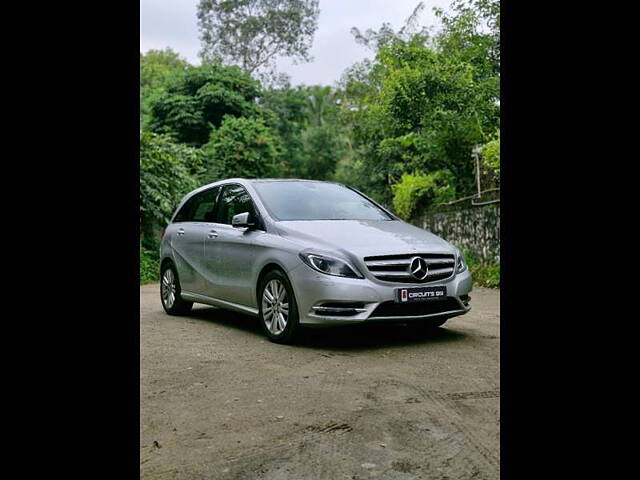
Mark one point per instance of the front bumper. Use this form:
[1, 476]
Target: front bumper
[314, 289]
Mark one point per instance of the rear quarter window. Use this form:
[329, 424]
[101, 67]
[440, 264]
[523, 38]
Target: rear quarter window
[199, 208]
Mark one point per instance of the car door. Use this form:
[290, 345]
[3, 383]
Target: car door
[229, 251]
[188, 233]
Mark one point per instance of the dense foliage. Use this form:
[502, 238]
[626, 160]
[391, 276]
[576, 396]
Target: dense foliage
[195, 100]
[156, 66]
[485, 274]
[244, 146]
[400, 126]
[416, 192]
[491, 155]
[168, 171]
[149, 265]
[307, 121]
[424, 102]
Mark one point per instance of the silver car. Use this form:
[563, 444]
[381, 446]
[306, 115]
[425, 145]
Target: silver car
[301, 252]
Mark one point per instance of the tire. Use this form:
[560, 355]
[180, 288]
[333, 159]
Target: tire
[284, 306]
[170, 290]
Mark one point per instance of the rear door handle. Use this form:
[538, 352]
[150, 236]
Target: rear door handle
[212, 234]
[181, 231]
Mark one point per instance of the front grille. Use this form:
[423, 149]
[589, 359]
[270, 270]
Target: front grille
[395, 268]
[393, 309]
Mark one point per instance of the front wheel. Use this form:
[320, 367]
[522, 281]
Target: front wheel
[172, 302]
[278, 308]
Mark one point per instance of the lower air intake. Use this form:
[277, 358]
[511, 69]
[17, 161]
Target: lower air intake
[393, 309]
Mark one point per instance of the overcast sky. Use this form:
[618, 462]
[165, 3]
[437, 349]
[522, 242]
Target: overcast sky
[172, 23]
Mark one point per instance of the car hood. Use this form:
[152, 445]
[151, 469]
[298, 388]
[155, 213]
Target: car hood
[362, 238]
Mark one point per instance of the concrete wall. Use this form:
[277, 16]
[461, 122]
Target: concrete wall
[475, 228]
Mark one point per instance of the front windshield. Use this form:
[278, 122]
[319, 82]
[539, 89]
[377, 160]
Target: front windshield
[306, 200]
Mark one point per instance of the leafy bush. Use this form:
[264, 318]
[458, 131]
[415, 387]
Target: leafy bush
[485, 274]
[416, 192]
[149, 266]
[491, 155]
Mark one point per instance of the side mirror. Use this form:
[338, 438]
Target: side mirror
[243, 220]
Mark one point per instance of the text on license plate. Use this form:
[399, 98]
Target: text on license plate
[420, 294]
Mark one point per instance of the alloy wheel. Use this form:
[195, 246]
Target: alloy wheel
[168, 288]
[275, 307]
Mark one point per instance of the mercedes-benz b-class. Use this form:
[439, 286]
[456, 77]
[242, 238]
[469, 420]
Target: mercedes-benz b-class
[302, 252]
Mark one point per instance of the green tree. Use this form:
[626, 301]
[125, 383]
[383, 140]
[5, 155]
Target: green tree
[167, 172]
[385, 35]
[321, 105]
[472, 30]
[289, 106]
[242, 147]
[324, 146]
[325, 140]
[156, 66]
[423, 102]
[194, 101]
[313, 141]
[253, 33]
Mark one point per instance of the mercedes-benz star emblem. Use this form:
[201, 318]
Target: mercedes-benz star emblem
[418, 268]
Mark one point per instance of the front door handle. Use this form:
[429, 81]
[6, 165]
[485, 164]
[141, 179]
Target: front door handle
[212, 234]
[181, 231]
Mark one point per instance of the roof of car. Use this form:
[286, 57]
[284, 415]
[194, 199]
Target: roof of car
[283, 180]
[241, 181]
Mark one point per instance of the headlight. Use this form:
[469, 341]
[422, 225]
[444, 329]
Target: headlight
[461, 266]
[330, 265]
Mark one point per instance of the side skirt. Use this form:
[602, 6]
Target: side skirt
[196, 297]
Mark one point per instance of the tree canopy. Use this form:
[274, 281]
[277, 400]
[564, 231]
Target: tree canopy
[253, 33]
[195, 100]
[244, 146]
[156, 66]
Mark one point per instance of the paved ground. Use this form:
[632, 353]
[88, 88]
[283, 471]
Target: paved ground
[219, 401]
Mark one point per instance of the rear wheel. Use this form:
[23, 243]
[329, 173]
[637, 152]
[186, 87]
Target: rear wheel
[172, 302]
[278, 308]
